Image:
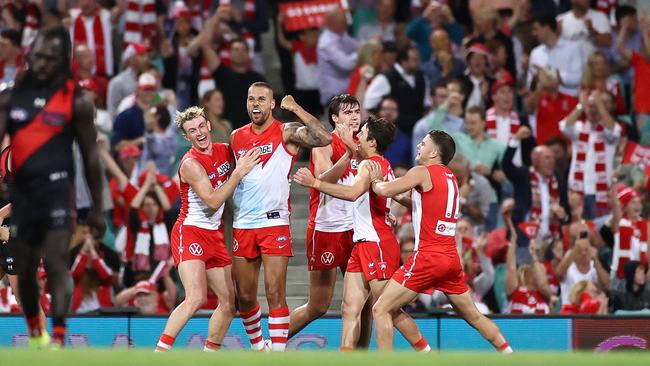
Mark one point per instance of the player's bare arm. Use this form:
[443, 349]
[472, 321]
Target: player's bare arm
[193, 173]
[86, 134]
[359, 185]
[322, 160]
[310, 133]
[415, 177]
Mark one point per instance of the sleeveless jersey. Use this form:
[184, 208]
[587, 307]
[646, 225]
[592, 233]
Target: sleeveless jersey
[40, 126]
[326, 213]
[435, 212]
[262, 198]
[218, 166]
[371, 221]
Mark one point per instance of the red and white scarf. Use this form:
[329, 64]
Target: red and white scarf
[581, 146]
[140, 21]
[80, 37]
[30, 29]
[536, 202]
[491, 123]
[628, 244]
[143, 243]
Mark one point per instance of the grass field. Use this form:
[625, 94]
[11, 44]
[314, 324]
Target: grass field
[20, 357]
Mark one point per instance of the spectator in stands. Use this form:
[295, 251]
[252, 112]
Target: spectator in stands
[181, 67]
[476, 80]
[580, 263]
[93, 271]
[406, 83]
[443, 63]
[555, 55]
[550, 106]
[233, 80]
[399, 151]
[562, 155]
[436, 15]
[585, 298]
[92, 25]
[136, 59]
[626, 18]
[159, 140]
[539, 190]
[11, 55]
[129, 125]
[594, 144]
[305, 65]
[383, 28]
[368, 65]
[150, 220]
[486, 28]
[587, 27]
[597, 76]
[526, 286]
[146, 296]
[213, 103]
[636, 295]
[388, 56]
[337, 55]
[640, 62]
[475, 191]
[83, 70]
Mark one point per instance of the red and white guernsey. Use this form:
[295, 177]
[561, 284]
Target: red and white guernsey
[218, 166]
[523, 301]
[371, 212]
[435, 212]
[630, 243]
[327, 213]
[261, 199]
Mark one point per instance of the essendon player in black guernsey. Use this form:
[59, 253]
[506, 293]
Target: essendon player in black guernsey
[43, 113]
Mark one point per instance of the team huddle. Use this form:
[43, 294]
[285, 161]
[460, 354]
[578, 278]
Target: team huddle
[351, 189]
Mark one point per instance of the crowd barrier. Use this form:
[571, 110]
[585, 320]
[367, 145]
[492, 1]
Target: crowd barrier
[444, 333]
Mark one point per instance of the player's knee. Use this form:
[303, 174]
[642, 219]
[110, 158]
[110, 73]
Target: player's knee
[351, 308]
[196, 302]
[275, 296]
[317, 309]
[379, 310]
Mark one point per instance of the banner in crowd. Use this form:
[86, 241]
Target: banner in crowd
[308, 14]
[636, 154]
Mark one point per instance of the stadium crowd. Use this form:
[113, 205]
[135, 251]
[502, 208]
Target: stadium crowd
[545, 99]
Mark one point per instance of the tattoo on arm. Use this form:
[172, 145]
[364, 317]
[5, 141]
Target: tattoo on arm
[310, 135]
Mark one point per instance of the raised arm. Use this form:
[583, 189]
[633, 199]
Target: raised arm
[5, 212]
[311, 133]
[415, 177]
[86, 135]
[359, 186]
[511, 280]
[110, 164]
[193, 173]
[279, 32]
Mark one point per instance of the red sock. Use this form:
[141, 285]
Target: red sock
[279, 327]
[34, 326]
[346, 349]
[504, 348]
[422, 345]
[211, 346]
[165, 342]
[58, 335]
[252, 320]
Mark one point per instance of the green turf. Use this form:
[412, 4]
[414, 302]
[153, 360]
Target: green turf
[20, 357]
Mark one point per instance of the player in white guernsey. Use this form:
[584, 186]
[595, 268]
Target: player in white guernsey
[207, 181]
[261, 231]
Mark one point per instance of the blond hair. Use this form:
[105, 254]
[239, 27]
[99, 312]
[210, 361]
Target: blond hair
[188, 115]
[365, 51]
[577, 290]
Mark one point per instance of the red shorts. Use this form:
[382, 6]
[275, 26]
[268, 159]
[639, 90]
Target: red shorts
[376, 261]
[191, 242]
[273, 241]
[327, 250]
[424, 270]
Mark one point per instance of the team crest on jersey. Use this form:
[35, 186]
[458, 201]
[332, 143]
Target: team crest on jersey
[18, 114]
[53, 118]
[354, 164]
[281, 238]
[266, 149]
[223, 168]
[446, 228]
[241, 151]
[371, 264]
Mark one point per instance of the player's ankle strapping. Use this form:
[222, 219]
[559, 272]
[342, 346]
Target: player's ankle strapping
[211, 346]
[34, 326]
[504, 348]
[165, 342]
[422, 345]
[252, 323]
[58, 334]
[279, 327]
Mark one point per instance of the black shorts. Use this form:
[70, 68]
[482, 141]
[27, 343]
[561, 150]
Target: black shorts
[6, 259]
[37, 209]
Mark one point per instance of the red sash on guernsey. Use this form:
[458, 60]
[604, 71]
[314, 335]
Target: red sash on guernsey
[29, 139]
[140, 21]
[80, 37]
[491, 123]
[536, 202]
[582, 149]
